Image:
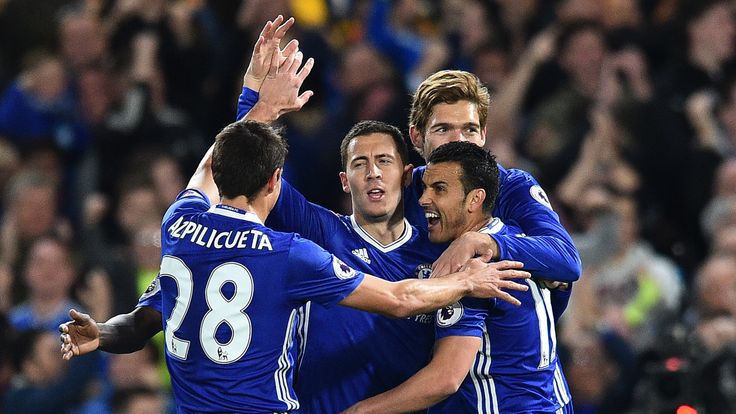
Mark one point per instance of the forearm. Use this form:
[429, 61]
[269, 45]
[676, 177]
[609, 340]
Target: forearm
[202, 178]
[415, 296]
[421, 391]
[123, 334]
[442, 377]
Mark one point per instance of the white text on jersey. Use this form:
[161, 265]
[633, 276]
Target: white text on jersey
[206, 237]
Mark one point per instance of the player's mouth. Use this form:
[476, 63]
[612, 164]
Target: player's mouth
[376, 194]
[433, 219]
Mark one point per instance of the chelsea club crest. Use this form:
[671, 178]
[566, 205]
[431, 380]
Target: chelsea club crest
[423, 271]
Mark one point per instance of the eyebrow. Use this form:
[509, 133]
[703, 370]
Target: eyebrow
[449, 124]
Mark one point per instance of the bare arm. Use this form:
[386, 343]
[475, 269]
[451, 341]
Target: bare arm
[122, 334]
[413, 296]
[442, 377]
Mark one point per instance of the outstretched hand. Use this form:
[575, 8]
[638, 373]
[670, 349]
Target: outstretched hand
[79, 336]
[280, 90]
[488, 279]
[267, 44]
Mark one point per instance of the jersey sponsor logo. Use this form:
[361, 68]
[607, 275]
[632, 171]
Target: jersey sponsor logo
[362, 255]
[423, 271]
[538, 194]
[342, 271]
[449, 315]
[152, 289]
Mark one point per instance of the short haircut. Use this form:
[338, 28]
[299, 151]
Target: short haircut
[479, 168]
[364, 128]
[448, 86]
[245, 156]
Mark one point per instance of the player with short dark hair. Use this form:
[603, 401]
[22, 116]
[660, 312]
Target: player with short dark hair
[490, 357]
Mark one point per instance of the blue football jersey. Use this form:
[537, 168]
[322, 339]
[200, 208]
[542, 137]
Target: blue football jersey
[516, 369]
[548, 252]
[228, 291]
[348, 355]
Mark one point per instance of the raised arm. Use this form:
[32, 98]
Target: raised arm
[282, 83]
[414, 296]
[121, 334]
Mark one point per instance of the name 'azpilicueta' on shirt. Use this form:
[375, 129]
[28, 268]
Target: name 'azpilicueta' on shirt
[210, 237]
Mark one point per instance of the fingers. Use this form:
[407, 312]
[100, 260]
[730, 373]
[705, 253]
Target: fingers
[304, 98]
[79, 317]
[506, 284]
[281, 30]
[508, 264]
[305, 70]
[259, 43]
[290, 48]
[508, 298]
[274, 69]
[267, 28]
[514, 274]
[296, 62]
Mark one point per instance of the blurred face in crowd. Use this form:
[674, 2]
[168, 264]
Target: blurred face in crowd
[46, 80]
[44, 365]
[35, 211]
[582, 57]
[374, 176]
[727, 114]
[167, 180]
[450, 122]
[444, 202]
[716, 286]
[82, 40]
[137, 207]
[714, 30]
[49, 271]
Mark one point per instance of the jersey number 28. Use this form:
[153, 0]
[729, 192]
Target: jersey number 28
[221, 310]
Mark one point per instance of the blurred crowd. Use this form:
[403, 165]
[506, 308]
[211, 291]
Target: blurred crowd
[624, 110]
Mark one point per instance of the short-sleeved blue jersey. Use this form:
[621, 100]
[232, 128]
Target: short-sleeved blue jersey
[228, 291]
[516, 368]
[350, 355]
[548, 252]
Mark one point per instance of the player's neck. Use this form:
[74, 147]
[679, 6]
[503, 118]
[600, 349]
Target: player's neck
[385, 230]
[476, 222]
[258, 205]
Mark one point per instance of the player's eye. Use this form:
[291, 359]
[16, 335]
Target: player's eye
[385, 161]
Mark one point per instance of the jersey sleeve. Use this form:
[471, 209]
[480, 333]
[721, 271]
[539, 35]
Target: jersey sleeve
[294, 214]
[246, 101]
[151, 298]
[315, 274]
[188, 201]
[546, 249]
[559, 301]
[464, 318]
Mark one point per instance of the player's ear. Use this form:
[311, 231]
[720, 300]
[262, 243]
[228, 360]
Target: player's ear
[344, 182]
[475, 199]
[274, 180]
[408, 170]
[416, 138]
